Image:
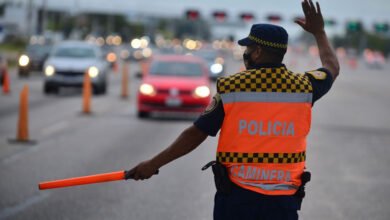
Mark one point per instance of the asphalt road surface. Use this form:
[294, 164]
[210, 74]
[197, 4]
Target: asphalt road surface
[348, 154]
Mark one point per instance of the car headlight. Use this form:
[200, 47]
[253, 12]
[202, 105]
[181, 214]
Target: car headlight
[50, 70]
[147, 52]
[202, 91]
[24, 60]
[93, 71]
[216, 68]
[111, 57]
[147, 89]
[125, 54]
[138, 54]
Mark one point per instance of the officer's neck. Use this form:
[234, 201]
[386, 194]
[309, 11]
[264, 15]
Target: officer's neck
[265, 65]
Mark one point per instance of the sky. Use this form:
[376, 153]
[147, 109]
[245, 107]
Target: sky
[368, 11]
[339, 9]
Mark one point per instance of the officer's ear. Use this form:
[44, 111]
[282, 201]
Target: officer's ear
[258, 53]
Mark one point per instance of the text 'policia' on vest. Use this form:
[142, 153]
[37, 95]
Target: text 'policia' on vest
[263, 138]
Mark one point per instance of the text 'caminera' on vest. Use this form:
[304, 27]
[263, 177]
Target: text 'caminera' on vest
[256, 173]
[269, 128]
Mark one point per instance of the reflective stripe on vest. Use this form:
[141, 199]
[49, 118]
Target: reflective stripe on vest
[263, 136]
[266, 97]
[270, 187]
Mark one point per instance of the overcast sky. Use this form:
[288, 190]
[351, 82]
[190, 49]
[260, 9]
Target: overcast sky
[341, 9]
[368, 11]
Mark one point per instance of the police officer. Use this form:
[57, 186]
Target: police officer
[264, 116]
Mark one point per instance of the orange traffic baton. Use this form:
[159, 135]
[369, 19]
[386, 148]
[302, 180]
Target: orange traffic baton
[83, 180]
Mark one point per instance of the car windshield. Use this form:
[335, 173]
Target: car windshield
[175, 69]
[207, 55]
[75, 52]
[38, 50]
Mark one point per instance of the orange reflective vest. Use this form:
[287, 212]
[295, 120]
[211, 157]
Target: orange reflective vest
[263, 136]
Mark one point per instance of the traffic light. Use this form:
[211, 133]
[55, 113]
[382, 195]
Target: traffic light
[381, 27]
[220, 16]
[330, 22]
[274, 18]
[192, 15]
[354, 26]
[247, 17]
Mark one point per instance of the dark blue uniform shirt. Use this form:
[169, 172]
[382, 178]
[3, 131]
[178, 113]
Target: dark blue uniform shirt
[210, 122]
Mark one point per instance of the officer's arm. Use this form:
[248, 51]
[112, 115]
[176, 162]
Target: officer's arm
[187, 141]
[314, 23]
[328, 57]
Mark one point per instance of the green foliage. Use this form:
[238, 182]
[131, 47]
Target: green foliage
[2, 8]
[361, 41]
[13, 45]
[136, 29]
[377, 42]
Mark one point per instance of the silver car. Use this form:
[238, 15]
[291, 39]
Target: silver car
[69, 61]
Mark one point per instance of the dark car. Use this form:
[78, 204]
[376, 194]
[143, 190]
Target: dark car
[136, 54]
[109, 51]
[214, 61]
[33, 59]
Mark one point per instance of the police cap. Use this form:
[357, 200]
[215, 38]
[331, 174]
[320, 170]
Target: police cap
[267, 35]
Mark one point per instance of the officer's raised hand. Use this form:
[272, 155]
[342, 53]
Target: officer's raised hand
[314, 22]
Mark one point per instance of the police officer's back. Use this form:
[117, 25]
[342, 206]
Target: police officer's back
[264, 116]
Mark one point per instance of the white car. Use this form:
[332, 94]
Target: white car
[69, 61]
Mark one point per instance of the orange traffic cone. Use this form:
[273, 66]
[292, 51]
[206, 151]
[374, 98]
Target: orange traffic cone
[6, 82]
[125, 80]
[22, 132]
[353, 63]
[144, 67]
[87, 91]
[115, 67]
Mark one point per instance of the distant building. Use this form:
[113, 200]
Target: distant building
[18, 18]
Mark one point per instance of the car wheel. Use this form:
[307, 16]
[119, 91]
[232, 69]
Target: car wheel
[103, 88]
[100, 90]
[47, 89]
[142, 114]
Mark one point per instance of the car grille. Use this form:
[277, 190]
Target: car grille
[180, 92]
[163, 106]
[70, 73]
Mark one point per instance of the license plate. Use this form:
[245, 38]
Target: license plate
[70, 79]
[173, 102]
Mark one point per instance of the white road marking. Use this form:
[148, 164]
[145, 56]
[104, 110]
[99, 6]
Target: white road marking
[10, 211]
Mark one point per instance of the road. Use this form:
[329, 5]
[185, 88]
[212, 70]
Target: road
[348, 154]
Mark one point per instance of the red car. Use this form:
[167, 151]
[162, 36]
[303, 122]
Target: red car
[174, 83]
